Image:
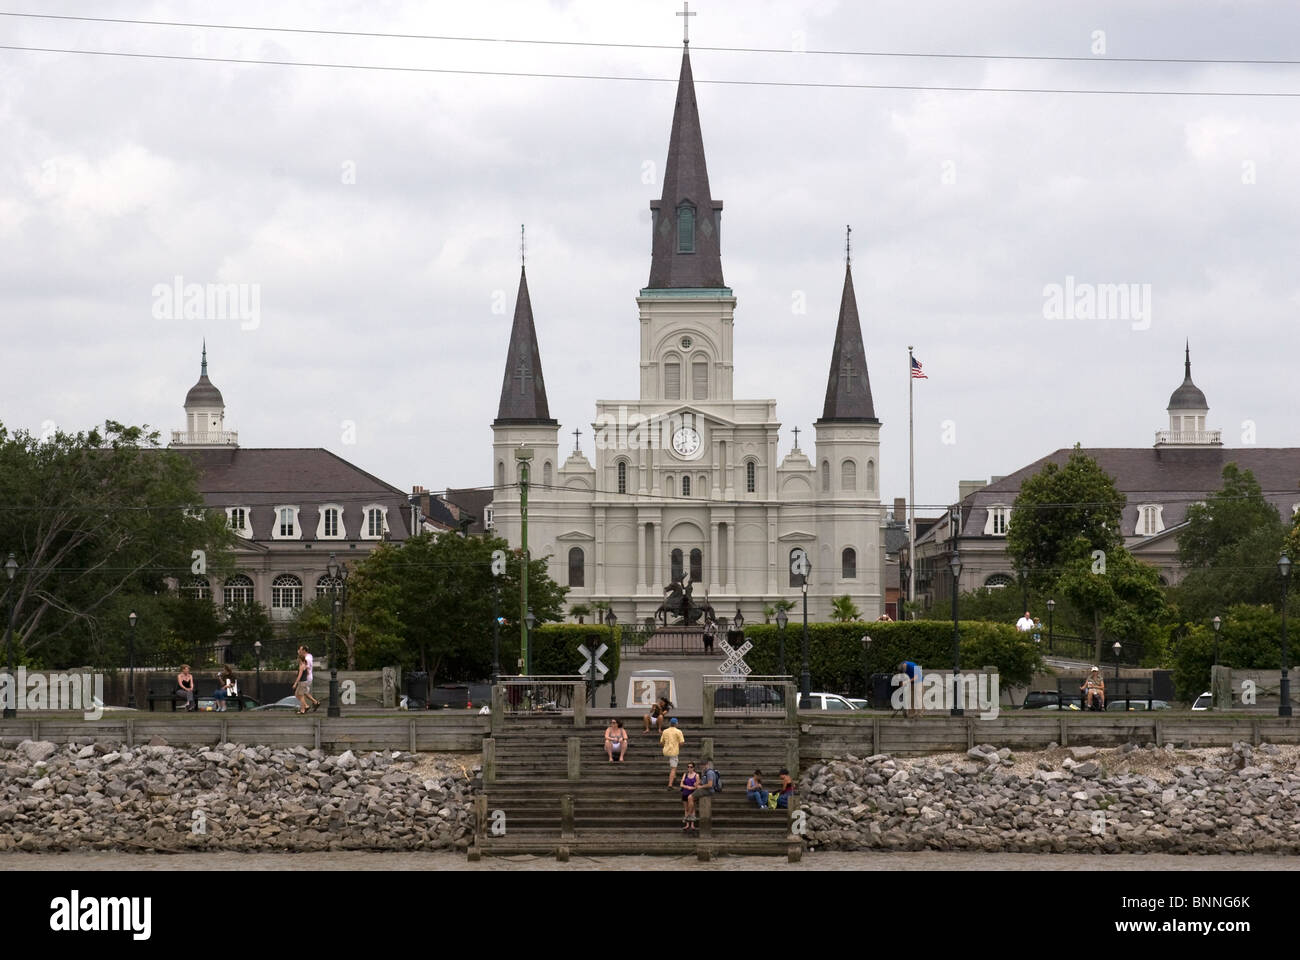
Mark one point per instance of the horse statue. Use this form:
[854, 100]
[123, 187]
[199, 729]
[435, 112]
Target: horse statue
[677, 602]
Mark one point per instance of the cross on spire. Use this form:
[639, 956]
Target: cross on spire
[685, 14]
[523, 375]
[522, 246]
[576, 447]
[846, 372]
[848, 244]
[796, 438]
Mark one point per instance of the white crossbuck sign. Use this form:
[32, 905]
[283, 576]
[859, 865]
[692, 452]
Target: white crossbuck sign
[601, 669]
[735, 664]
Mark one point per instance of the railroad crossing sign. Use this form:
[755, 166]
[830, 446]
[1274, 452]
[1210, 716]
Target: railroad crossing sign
[601, 669]
[735, 664]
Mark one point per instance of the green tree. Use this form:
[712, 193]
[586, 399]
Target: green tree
[844, 610]
[92, 516]
[1056, 508]
[1117, 594]
[1230, 547]
[248, 624]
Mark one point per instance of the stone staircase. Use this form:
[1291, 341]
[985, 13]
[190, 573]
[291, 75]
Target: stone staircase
[548, 788]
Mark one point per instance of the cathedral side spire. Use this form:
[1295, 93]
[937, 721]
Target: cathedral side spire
[848, 388]
[686, 221]
[523, 391]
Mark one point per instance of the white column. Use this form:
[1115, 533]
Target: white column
[659, 554]
[640, 577]
[714, 582]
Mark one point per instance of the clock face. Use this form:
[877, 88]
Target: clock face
[686, 442]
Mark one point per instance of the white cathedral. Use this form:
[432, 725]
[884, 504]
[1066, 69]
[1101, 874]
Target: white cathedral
[688, 481]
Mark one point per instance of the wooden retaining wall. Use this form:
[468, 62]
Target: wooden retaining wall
[823, 738]
[441, 732]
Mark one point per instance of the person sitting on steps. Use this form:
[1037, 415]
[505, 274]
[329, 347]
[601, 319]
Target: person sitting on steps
[615, 740]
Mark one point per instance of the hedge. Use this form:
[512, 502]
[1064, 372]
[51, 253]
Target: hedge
[555, 649]
[837, 661]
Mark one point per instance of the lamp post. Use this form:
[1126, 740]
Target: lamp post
[338, 577]
[1284, 708]
[1024, 586]
[496, 632]
[1117, 647]
[866, 664]
[805, 680]
[610, 621]
[1217, 624]
[257, 650]
[11, 702]
[781, 621]
[954, 564]
[130, 662]
[1051, 606]
[529, 622]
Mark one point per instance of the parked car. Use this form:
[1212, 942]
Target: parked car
[859, 704]
[1136, 705]
[825, 701]
[210, 703]
[748, 695]
[1204, 702]
[284, 703]
[1037, 699]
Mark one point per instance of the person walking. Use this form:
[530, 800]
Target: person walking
[672, 739]
[912, 683]
[305, 678]
[185, 680]
[690, 783]
[615, 740]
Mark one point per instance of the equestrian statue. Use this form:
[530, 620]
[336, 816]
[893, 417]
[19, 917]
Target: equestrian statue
[678, 603]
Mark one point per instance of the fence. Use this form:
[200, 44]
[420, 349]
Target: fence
[533, 696]
[1085, 649]
[753, 696]
[280, 653]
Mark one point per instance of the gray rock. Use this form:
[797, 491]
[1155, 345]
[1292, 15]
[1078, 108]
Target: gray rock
[35, 751]
[1083, 753]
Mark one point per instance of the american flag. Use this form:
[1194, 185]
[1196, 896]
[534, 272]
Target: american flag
[917, 373]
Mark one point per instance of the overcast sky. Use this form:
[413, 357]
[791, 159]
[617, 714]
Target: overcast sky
[377, 215]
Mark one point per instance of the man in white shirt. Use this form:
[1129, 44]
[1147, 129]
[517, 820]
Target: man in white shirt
[1025, 623]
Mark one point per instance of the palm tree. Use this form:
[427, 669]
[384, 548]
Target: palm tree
[843, 609]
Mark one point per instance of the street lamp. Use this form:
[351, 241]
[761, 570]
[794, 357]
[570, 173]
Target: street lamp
[610, 621]
[1284, 708]
[11, 702]
[1117, 648]
[781, 621]
[130, 662]
[1217, 624]
[954, 564]
[805, 680]
[257, 649]
[1051, 606]
[529, 622]
[338, 578]
[866, 664]
[1024, 586]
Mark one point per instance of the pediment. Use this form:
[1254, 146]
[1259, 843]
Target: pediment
[575, 535]
[801, 535]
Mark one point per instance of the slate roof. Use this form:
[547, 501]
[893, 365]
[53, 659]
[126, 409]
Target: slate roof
[471, 502]
[686, 180]
[1167, 475]
[848, 387]
[523, 390]
[264, 478]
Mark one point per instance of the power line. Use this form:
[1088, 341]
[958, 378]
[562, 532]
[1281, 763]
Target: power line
[533, 75]
[653, 46]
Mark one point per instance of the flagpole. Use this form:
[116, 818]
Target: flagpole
[911, 488]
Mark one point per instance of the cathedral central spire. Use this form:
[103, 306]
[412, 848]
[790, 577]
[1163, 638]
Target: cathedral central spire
[686, 220]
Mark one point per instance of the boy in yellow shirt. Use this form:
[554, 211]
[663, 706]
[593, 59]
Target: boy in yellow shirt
[672, 739]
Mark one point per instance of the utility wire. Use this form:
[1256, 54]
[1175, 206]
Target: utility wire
[653, 46]
[534, 75]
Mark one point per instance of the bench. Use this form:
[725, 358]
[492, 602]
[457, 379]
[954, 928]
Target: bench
[166, 690]
[1129, 689]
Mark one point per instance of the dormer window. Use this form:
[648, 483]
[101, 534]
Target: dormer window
[330, 526]
[238, 517]
[685, 229]
[376, 522]
[286, 524]
[998, 520]
[1150, 520]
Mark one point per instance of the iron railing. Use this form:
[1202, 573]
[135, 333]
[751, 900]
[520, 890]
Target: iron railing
[1085, 648]
[739, 696]
[529, 696]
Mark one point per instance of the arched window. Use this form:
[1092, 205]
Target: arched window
[676, 570]
[849, 564]
[849, 475]
[699, 379]
[622, 476]
[685, 228]
[501, 474]
[871, 476]
[577, 567]
[198, 588]
[238, 589]
[751, 476]
[686, 486]
[826, 476]
[376, 525]
[286, 593]
[326, 585]
[697, 565]
[672, 377]
[795, 579]
[546, 474]
[997, 581]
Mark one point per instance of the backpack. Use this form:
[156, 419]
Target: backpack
[717, 780]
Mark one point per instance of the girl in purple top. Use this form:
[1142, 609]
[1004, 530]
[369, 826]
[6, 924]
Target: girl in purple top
[690, 783]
